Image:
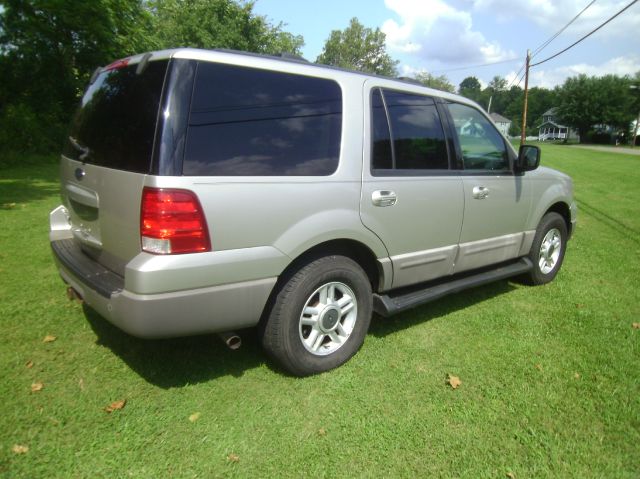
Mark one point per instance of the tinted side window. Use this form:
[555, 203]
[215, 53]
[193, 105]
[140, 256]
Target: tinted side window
[482, 146]
[416, 131]
[253, 122]
[381, 157]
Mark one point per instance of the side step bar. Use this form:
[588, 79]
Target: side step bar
[396, 302]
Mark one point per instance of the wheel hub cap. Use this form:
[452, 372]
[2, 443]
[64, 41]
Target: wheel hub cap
[328, 318]
[550, 251]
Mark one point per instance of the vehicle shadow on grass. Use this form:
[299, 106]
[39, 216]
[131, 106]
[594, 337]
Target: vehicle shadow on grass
[381, 327]
[170, 363]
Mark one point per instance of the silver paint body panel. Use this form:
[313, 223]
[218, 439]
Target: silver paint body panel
[259, 225]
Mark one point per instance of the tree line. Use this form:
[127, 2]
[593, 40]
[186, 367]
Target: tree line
[49, 49]
[600, 109]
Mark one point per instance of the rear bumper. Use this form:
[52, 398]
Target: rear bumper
[135, 307]
[181, 313]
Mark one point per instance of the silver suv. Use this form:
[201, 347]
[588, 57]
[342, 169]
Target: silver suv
[209, 191]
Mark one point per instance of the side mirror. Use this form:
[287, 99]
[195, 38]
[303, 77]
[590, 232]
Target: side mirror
[528, 158]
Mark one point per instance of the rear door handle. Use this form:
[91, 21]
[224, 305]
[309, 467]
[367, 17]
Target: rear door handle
[480, 192]
[384, 198]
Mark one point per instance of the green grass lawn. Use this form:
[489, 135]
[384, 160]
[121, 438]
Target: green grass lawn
[550, 375]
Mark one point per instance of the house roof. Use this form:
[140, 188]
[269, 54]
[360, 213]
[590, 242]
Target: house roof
[557, 125]
[551, 112]
[497, 118]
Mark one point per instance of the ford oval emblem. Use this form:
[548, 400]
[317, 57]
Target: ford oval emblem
[79, 173]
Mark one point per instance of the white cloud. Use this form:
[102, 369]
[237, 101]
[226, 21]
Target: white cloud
[435, 31]
[550, 78]
[552, 15]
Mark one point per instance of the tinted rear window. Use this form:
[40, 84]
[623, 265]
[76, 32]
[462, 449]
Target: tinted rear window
[246, 121]
[116, 121]
[418, 137]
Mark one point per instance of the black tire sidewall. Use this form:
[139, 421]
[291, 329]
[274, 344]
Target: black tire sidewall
[548, 222]
[292, 299]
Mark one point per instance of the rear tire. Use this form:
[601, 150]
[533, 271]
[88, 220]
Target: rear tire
[319, 317]
[547, 250]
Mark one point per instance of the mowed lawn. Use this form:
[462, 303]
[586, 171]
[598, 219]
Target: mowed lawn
[550, 375]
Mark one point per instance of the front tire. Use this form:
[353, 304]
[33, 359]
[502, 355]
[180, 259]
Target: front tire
[320, 316]
[547, 250]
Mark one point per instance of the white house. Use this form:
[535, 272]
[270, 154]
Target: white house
[501, 122]
[550, 129]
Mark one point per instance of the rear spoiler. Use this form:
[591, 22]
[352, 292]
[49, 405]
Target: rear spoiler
[142, 66]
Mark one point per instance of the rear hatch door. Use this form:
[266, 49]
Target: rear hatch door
[107, 155]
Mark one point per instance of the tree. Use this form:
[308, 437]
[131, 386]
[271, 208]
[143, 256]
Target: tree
[495, 94]
[497, 84]
[539, 101]
[587, 101]
[470, 87]
[220, 24]
[358, 48]
[438, 82]
[48, 50]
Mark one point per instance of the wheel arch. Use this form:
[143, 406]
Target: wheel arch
[563, 210]
[357, 251]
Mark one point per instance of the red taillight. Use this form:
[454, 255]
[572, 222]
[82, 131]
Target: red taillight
[172, 222]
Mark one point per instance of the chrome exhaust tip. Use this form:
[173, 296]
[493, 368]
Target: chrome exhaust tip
[73, 295]
[231, 339]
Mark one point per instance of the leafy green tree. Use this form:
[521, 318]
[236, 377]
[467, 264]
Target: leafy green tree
[539, 101]
[495, 92]
[219, 24]
[48, 50]
[358, 48]
[470, 87]
[587, 101]
[438, 82]
[497, 84]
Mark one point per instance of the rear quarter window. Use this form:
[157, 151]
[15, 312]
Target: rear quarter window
[115, 123]
[250, 122]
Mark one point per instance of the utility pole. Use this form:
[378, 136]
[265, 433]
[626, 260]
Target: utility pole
[489, 108]
[635, 128]
[523, 135]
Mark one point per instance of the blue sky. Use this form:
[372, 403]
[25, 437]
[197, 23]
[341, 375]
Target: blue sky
[441, 36]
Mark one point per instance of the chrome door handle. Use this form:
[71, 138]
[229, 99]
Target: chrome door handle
[480, 192]
[383, 198]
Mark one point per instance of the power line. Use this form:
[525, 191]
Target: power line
[521, 78]
[544, 45]
[587, 35]
[512, 82]
[538, 50]
[475, 66]
[541, 47]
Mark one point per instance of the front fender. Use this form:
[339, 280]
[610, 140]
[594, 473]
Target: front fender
[549, 188]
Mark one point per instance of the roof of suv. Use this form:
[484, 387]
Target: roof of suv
[289, 62]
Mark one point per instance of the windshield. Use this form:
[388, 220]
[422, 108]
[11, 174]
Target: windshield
[116, 122]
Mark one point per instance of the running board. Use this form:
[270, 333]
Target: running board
[396, 302]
